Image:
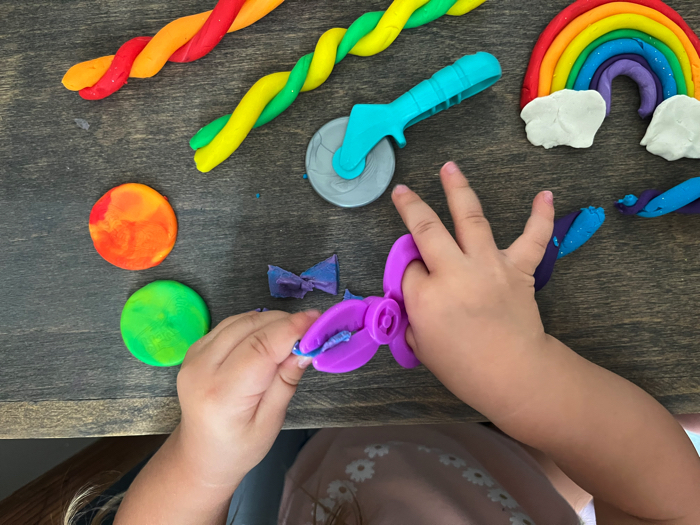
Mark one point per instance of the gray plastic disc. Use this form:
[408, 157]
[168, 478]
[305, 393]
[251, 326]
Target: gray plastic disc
[368, 187]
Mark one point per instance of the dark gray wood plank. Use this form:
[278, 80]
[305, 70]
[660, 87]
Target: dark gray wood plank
[628, 300]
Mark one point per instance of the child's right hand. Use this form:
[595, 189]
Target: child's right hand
[472, 306]
[475, 324]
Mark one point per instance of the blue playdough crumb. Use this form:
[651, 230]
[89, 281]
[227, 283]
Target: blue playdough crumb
[257, 195]
[306, 176]
[349, 295]
[629, 200]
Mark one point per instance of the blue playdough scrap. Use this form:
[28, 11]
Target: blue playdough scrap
[324, 275]
[340, 337]
[286, 284]
[349, 295]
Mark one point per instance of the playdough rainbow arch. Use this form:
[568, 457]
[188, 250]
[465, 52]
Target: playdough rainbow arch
[567, 91]
[591, 34]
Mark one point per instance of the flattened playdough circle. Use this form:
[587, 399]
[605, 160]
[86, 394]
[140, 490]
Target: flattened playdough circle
[162, 320]
[133, 227]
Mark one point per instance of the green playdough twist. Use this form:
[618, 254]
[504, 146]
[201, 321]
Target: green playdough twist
[362, 27]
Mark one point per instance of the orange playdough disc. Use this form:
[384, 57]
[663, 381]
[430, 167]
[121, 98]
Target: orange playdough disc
[133, 227]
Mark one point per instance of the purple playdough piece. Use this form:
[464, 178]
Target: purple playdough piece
[323, 276]
[544, 271]
[635, 58]
[647, 196]
[637, 72]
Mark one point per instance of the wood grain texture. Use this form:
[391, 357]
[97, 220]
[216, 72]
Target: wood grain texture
[45, 500]
[628, 300]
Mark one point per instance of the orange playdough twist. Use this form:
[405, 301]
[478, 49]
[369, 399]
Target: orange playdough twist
[168, 40]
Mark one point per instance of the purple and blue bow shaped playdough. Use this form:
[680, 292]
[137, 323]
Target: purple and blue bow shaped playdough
[324, 276]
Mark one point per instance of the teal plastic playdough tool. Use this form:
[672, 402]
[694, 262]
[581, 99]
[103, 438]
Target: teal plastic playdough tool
[349, 160]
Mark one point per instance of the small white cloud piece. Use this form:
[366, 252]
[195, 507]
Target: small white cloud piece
[564, 118]
[674, 131]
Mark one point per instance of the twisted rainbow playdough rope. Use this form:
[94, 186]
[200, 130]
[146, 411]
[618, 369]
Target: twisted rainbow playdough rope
[370, 34]
[183, 40]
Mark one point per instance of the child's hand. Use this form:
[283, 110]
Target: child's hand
[471, 306]
[234, 388]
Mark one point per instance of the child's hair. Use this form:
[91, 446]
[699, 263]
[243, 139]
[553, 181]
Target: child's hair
[340, 514]
[77, 507]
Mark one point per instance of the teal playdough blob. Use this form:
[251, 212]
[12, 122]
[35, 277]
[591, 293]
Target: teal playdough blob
[161, 321]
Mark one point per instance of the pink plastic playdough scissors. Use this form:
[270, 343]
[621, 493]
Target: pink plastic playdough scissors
[373, 321]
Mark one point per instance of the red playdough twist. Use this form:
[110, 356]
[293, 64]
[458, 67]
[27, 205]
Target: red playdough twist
[557, 25]
[118, 72]
[200, 44]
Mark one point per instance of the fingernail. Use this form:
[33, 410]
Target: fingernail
[450, 168]
[304, 362]
[313, 314]
[400, 189]
[549, 198]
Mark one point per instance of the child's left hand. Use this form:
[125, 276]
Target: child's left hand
[234, 388]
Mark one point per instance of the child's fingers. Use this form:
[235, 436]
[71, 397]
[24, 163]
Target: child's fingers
[270, 345]
[472, 230]
[223, 324]
[528, 249]
[236, 331]
[273, 405]
[198, 346]
[434, 242]
[414, 276]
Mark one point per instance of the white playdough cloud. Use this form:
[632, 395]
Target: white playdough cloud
[564, 118]
[674, 131]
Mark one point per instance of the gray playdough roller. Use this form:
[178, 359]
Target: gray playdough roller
[350, 161]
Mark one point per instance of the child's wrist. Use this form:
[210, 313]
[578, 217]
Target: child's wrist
[194, 462]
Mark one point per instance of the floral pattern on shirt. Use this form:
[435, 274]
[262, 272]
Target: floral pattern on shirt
[499, 495]
[377, 451]
[360, 470]
[518, 518]
[321, 510]
[363, 469]
[477, 477]
[341, 490]
[450, 459]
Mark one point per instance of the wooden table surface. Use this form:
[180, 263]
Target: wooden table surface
[628, 300]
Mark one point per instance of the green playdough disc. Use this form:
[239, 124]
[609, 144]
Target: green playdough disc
[161, 321]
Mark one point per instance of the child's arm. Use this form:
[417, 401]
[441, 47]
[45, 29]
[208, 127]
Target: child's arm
[234, 388]
[476, 325]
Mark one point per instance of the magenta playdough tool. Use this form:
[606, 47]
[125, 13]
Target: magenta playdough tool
[373, 321]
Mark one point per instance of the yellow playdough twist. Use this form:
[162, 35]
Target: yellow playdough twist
[370, 34]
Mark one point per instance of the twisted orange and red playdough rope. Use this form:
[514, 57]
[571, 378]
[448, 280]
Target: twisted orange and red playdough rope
[182, 40]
